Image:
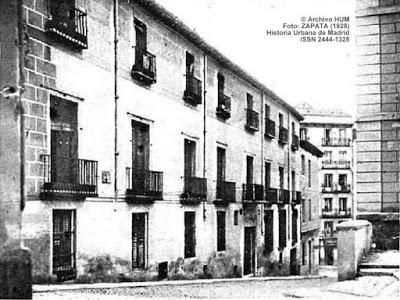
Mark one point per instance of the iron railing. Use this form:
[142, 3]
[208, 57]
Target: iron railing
[151, 184]
[336, 188]
[269, 128]
[336, 164]
[296, 197]
[69, 176]
[284, 196]
[195, 187]
[253, 192]
[66, 24]
[252, 120]
[283, 135]
[226, 191]
[193, 92]
[271, 195]
[145, 70]
[336, 142]
[224, 106]
[336, 213]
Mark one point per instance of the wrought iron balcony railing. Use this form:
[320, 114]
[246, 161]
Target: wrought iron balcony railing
[145, 69]
[224, 106]
[252, 120]
[195, 189]
[336, 213]
[283, 135]
[269, 128]
[148, 187]
[296, 197]
[72, 177]
[295, 142]
[271, 195]
[336, 142]
[193, 93]
[253, 192]
[226, 191]
[336, 164]
[284, 196]
[336, 188]
[67, 24]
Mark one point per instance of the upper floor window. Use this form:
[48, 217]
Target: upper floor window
[328, 180]
[144, 68]
[309, 173]
[328, 204]
[224, 102]
[281, 177]
[303, 134]
[280, 116]
[193, 91]
[342, 204]
[303, 164]
[252, 116]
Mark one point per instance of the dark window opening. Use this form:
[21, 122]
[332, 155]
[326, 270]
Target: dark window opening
[282, 228]
[190, 234]
[236, 217]
[269, 230]
[221, 243]
[139, 240]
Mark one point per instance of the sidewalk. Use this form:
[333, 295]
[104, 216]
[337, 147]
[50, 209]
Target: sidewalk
[73, 286]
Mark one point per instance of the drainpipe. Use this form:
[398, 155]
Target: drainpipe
[204, 126]
[289, 172]
[116, 97]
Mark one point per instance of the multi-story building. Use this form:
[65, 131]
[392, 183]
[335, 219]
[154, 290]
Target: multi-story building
[150, 151]
[378, 118]
[332, 132]
[310, 207]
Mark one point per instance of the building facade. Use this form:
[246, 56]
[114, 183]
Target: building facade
[378, 118]
[310, 207]
[148, 152]
[332, 132]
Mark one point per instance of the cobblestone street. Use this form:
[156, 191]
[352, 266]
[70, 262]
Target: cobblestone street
[315, 288]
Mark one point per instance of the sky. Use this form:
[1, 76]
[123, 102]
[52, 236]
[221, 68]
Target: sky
[322, 74]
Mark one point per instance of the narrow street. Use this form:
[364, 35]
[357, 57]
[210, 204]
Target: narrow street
[314, 288]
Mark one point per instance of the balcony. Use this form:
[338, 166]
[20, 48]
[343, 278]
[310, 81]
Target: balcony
[296, 197]
[253, 192]
[336, 164]
[336, 142]
[269, 129]
[284, 196]
[283, 135]
[295, 142]
[68, 178]
[336, 213]
[195, 190]
[271, 195]
[68, 25]
[336, 188]
[251, 120]
[226, 192]
[224, 106]
[194, 91]
[147, 189]
[144, 69]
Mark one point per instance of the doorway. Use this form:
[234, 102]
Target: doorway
[249, 250]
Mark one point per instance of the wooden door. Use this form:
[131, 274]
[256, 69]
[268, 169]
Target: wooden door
[249, 250]
[139, 240]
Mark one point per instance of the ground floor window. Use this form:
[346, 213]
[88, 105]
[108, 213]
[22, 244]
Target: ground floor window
[221, 244]
[139, 240]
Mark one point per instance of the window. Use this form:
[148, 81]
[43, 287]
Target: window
[303, 134]
[303, 164]
[139, 240]
[280, 116]
[342, 134]
[221, 231]
[236, 217]
[141, 42]
[250, 101]
[328, 155]
[267, 174]
[342, 204]
[328, 227]
[190, 234]
[190, 158]
[303, 210]
[294, 226]
[328, 180]
[327, 204]
[309, 210]
[221, 164]
[293, 182]
[327, 135]
[282, 228]
[267, 111]
[303, 253]
[309, 173]
[249, 170]
[269, 230]
[221, 87]
[189, 64]
[293, 128]
[342, 155]
[281, 177]
[343, 181]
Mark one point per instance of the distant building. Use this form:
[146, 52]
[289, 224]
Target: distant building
[190, 170]
[331, 131]
[310, 207]
[378, 118]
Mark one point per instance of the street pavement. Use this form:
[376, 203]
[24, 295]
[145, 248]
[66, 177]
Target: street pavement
[369, 287]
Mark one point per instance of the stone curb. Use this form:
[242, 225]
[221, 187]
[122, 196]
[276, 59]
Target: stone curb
[69, 287]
